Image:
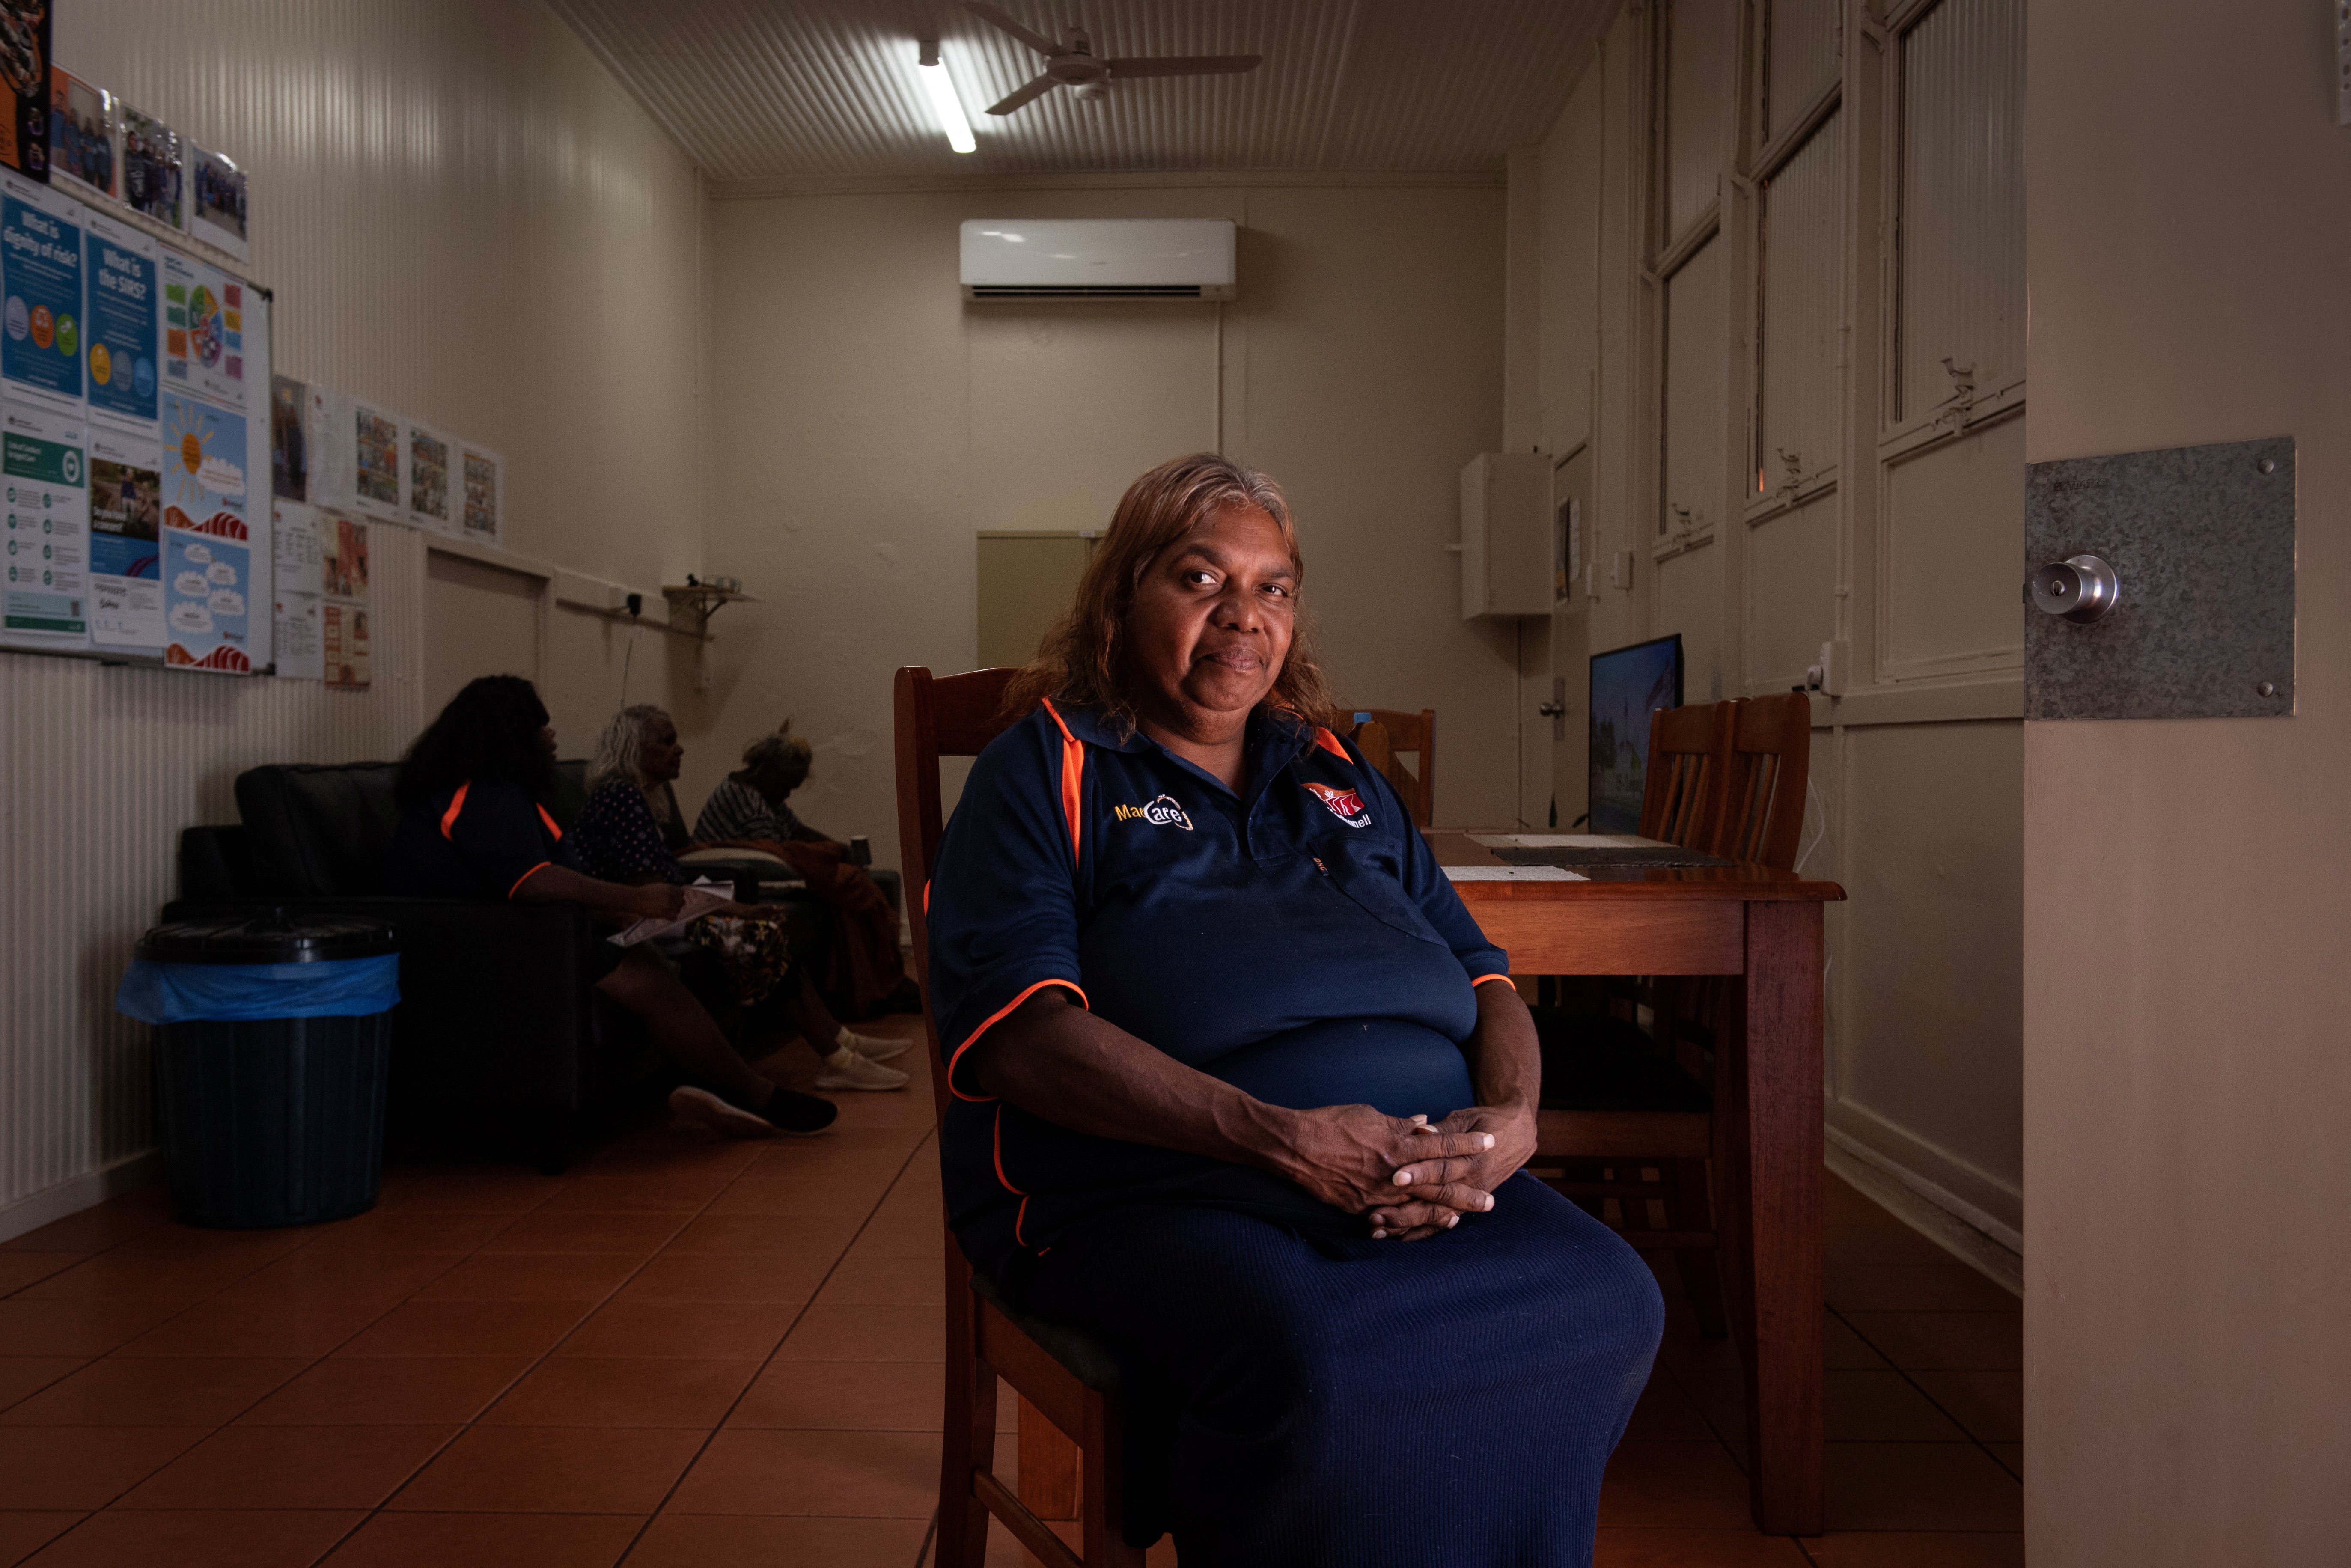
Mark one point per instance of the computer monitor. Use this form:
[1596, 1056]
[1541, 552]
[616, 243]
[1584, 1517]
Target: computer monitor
[1627, 685]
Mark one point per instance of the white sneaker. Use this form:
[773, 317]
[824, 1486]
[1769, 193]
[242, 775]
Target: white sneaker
[874, 1047]
[701, 1106]
[845, 1069]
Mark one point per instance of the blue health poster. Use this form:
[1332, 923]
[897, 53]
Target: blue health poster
[40, 319]
[124, 316]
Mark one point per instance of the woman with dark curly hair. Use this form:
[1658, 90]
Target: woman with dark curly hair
[1240, 1089]
[474, 823]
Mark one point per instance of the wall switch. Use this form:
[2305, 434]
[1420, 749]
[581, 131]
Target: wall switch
[1835, 659]
[1620, 570]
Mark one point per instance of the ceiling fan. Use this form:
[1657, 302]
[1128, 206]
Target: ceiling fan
[1071, 62]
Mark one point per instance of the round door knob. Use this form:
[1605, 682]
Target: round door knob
[2081, 587]
[1551, 710]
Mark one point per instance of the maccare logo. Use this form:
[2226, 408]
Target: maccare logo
[1164, 812]
[1346, 804]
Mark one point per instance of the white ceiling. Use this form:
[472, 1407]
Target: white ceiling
[761, 90]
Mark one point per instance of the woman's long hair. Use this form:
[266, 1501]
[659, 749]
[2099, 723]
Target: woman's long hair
[1084, 657]
[489, 733]
[620, 751]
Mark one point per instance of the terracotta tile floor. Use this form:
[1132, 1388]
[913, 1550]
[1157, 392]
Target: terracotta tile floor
[686, 1351]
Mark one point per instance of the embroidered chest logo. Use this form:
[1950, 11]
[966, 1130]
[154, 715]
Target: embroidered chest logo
[1346, 804]
[1164, 812]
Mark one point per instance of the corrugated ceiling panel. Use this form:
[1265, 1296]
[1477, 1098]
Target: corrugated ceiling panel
[1962, 217]
[1801, 51]
[1698, 107]
[825, 87]
[1803, 301]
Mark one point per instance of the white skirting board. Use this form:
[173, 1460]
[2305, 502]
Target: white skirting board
[85, 1191]
[1966, 1232]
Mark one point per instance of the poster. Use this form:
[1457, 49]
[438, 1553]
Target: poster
[207, 554]
[429, 454]
[25, 87]
[203, 328]
[121, 321]
[298, 626]
[126, 519]
[379, 483]
[290, 459]
[327, 446]
[40, 274]
[81, 135]
[151, 165]
[485, 500]
[215, 189]
[343, 577]
[46, 520]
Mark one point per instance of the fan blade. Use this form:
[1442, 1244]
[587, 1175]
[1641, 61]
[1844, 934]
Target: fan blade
[1034, 90]
[1183, 65]
[1038, 42]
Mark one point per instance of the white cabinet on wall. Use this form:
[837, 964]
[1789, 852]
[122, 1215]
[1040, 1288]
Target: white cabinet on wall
[1505, 527]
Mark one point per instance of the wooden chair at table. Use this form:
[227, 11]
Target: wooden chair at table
[1061, 1377]
[1382, 733]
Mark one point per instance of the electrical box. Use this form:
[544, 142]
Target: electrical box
[1506, 535]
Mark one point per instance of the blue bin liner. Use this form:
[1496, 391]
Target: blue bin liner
[160, 993]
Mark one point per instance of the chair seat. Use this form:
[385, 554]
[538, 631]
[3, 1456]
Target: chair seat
[1593, 1062]
[1084, 1359]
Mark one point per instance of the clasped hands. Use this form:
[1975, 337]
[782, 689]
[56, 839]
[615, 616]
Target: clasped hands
[1410, 1177]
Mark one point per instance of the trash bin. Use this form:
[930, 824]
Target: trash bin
[272, 1046]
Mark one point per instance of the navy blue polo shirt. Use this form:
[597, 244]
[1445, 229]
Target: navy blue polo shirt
[1297, 940]
[477, 840]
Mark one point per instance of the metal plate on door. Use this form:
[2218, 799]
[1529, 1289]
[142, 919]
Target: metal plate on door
[2200, 544]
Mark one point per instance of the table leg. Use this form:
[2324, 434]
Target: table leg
[1774, 1161]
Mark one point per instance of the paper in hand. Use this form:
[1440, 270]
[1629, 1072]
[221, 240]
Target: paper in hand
[700, 900]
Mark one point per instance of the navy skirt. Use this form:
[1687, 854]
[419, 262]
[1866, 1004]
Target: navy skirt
[1297, 1400]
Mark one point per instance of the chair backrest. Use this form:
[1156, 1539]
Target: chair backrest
[941, 716]
[1381, 733]
[1689, 756]
[1763, 795]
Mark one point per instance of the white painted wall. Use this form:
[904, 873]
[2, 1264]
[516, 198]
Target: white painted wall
[464, 216]
[2187, 1085]
[866, 423]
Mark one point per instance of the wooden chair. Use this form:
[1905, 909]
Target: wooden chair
[1063, 1377]
[1769, 762]
[1689, 758]
[1382, 733]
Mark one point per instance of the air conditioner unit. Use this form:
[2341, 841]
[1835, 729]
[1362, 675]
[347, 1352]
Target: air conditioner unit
[1098, 259]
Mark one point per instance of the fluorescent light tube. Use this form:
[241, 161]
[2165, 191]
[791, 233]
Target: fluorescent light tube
[945, 105]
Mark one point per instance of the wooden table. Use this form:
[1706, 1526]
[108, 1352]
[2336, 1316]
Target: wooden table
[1763, 928]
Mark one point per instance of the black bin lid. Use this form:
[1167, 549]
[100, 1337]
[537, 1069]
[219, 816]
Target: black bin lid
[277, 935]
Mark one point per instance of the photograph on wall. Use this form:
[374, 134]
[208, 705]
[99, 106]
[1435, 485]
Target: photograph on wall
[343, 577]
[25, 87]
[203, 328]
[345, 639]
[45, 522]
[342, 557]
[378, 487]
[81, 135]
[428, 479]
[207, 553]
[290, 459]
[215, 189]
[485, 502]
[151, 165]
[126, 521]
[122, 322]
[40, 322]
[297, 623]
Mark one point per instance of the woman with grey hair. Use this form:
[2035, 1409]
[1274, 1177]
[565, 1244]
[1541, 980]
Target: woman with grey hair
[629, 833]
[749, 803]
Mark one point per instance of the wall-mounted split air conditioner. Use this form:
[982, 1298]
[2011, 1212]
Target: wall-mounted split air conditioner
[1098, 259]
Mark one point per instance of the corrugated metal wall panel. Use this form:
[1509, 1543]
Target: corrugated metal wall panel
[1698, 107]
[1962, 217]
[1801, 58]
[1802, 257]
[461, 215]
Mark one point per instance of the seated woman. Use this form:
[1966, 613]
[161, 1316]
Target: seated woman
[629, 831]
[473, 793]
[1241, 1090]
[753, 801]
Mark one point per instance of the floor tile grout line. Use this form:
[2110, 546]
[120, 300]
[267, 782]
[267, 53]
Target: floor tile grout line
[768, 1360]
[1930, 1398]
[536, 1363]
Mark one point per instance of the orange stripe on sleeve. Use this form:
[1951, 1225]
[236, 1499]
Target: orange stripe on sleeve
[551, 828]
[456, 804]
[990, 1023]
[1073, 773]
[526, 876]
[1330, 743]
[1488, 981]
[997, 1151]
